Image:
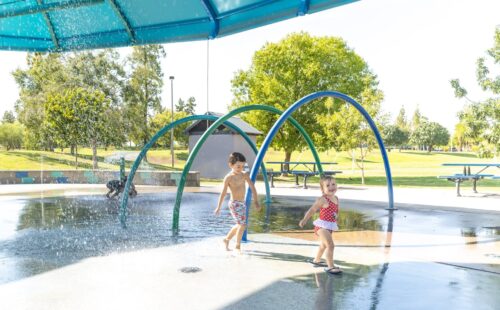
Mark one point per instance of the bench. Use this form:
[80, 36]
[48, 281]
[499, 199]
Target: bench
[297, 173]
[271, 174]
[459, 178]
[495, 177]
[307, 174]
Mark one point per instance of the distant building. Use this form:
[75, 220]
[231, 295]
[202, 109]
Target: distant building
[211, 160]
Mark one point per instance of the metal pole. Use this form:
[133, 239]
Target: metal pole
[172, 109]
[208, 75]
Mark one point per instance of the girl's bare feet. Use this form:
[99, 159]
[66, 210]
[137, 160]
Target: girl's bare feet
[226, 243]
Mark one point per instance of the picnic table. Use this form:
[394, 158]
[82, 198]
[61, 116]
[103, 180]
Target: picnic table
[305, 169]
[467, 175]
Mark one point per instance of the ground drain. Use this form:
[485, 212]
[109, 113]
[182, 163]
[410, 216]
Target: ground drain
[190, 269]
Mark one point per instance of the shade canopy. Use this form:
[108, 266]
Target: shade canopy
[62, 25]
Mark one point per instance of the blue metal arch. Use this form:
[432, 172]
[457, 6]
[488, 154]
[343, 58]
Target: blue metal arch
[298, 104]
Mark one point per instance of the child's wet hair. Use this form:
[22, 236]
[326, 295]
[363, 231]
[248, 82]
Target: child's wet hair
[324, 179]
[236, 157]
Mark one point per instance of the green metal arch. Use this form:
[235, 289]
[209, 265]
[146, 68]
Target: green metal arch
[212, 128]
[161, 132]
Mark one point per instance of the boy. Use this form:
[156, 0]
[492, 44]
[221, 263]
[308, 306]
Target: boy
[235, 180]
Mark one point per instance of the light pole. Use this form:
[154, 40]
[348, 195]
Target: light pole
[172, 106]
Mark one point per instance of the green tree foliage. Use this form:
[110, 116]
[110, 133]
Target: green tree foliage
[11, 135]
[395, 136]
[8, 117]
[282, 73]
[181, 105]
[480, 121]
[187, 107]
[143, 90]
[160, 120]
[417, 119]
[78, 116]
[103, 71]
[401, 121]
[430, 134]
[57, 73]
[45, 73]
[462, 137]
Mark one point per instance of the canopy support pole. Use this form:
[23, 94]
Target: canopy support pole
[50, 26]
[304, 7]
[118, 10]
[212, 15]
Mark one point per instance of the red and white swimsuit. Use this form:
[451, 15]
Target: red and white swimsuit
[327, 217]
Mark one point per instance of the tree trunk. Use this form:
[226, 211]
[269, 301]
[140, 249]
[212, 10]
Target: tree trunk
[94, 155]
[146, 129]
[72, 149]
[288, 156]
[362, 170]
[362, 166]
[76, 157]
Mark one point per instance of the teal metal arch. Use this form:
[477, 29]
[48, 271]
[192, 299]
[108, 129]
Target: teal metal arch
[161, 132]
[208, 132]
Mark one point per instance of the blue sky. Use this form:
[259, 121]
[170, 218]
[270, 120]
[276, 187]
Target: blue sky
[414, 46]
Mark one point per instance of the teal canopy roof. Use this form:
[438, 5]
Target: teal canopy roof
[61, 25]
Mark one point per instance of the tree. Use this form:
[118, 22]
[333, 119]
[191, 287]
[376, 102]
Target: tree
[461, 137]
[417, 119]
[283, 72]
[187, 107]
[56, 73]
[143, 90]
[46, 73]
[162, 119]
[430, 134]
[190, 106]
[11, 135]
[77, 116]
[401, 121]
[103, 71]
[8, 117]
[395, 136]
[181, 105]
[481, 120]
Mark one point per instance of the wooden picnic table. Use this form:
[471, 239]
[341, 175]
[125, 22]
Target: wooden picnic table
[467, 175]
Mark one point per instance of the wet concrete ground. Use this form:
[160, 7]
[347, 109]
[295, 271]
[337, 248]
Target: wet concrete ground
[418, 257]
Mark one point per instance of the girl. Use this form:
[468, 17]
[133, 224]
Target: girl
[328, 207]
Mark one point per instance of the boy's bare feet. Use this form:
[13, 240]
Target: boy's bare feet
[226, 243]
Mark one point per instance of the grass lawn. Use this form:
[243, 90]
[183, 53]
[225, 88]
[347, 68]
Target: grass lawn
[409, 168]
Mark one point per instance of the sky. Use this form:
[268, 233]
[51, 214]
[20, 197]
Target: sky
[415, 47]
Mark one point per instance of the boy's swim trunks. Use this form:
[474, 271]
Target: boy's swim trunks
[238, 210]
